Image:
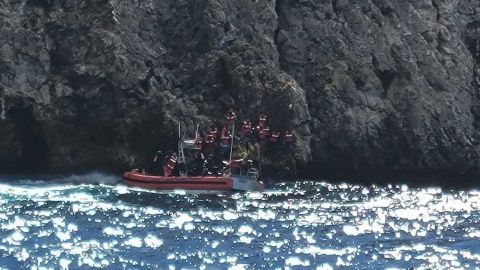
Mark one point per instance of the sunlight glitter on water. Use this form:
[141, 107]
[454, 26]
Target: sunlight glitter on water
[293, 225]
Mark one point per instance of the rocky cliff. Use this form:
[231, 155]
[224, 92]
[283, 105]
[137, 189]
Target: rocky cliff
[375, 86]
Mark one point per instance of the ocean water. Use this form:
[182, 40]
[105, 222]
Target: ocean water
[94, 221]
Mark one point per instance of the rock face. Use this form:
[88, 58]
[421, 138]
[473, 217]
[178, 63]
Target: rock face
[369, 87]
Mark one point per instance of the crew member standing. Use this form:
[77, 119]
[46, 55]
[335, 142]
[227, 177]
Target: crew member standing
[210, 144]
[170, 164]
[246, 128]
[224, 143]
[262, 120]
[231, 118]
[275, 136]
[289, 139]
[213, 131]
[157, 164]
[199, 142]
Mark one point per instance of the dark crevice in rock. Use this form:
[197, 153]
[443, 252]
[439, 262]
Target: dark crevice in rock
[224, 74]
[472, 40]
[385, 7]
[335, 7]
[57, 59]
[77, 81]
[45, 4]
[202, 46]
[34, 147]
[359, 83]
[199, 28]
[475, 108]
[2, 104]
[278, 45]
[386, 77]
[435, 5]
[145, 84]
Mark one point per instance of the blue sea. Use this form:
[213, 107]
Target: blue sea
[95, 221]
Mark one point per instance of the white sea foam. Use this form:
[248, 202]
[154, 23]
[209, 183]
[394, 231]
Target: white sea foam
[113, 231]
[134, 242]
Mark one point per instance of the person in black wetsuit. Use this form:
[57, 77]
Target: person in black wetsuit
[156, 168]
[198, 164]
[215, 165]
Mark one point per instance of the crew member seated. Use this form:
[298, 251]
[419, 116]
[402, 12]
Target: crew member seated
[215, 165]
[198, 165]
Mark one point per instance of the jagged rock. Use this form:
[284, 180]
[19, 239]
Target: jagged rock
[369, 87]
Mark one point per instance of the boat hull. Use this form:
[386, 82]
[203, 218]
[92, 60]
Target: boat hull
[203, 183]
[220, 183]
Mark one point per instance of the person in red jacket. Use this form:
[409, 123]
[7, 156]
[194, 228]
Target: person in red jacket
[246, 128]
[289, 137]
[275, 137]
[265, 132]
[224, 131]
[210, 144]
[199, 142]
[224, 143]
[170, 163]
[213, 131]
[262, 119]
[231, 118]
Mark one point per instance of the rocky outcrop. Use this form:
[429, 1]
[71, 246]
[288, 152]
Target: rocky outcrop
[369, 87]
[390, 84]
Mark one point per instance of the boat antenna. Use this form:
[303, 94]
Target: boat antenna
[181, 154]
[196, 132]
[231, 144]
[179, 132]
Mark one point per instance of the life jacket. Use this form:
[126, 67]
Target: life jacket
[262, 119]
[210, 143]
[266, 132]
[274, 137]
[199, 142]
[169, 165]
[210, 138]
[171, 162]
[260, 131]
[231, 117]
[213, 133]
[263, 132]
[246, 128]
[289, 137]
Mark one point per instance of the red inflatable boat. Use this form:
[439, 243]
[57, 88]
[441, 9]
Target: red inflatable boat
[242, 178]
[205, 183]
[179, 182]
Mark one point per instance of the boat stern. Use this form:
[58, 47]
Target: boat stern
[246, 183]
